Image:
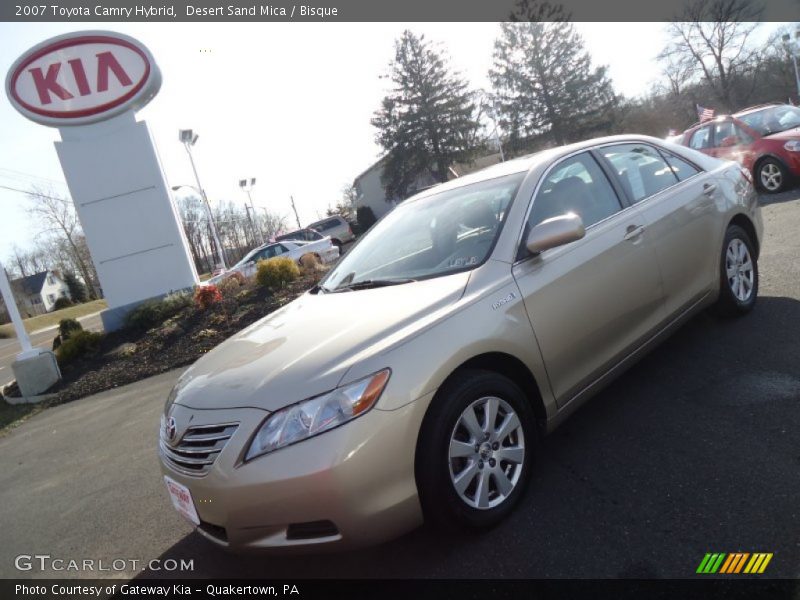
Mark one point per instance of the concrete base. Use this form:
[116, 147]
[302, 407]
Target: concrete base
[29, 399]
[36, 374]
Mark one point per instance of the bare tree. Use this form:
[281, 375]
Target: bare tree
[56, 214]
[711, 41]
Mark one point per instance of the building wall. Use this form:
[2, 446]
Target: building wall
[52, 290]
[371, 192]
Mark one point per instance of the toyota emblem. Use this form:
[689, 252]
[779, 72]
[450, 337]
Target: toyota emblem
[171, 428]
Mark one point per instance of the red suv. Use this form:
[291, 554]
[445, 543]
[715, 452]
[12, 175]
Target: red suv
[764, 139]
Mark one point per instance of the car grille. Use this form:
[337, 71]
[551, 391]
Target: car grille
[198, 448]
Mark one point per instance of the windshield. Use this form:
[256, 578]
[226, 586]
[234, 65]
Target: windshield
[447, 232]
[773, 119]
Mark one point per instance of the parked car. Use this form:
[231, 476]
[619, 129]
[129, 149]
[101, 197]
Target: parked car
[763, 139]
[323, 249]
[413, 382]
[303, 235]
[335, 227]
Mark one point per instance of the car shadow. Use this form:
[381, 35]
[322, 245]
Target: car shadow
[691, 451]
[793, 193]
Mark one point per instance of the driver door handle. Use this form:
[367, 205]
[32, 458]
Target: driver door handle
[709, 188]
[633, 232]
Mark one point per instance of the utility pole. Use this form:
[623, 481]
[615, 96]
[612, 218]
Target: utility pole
[295, 212]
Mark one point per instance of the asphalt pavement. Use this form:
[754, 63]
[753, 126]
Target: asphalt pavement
[694, 450]
[9, 348]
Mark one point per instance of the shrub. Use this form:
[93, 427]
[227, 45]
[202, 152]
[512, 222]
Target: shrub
[206, 295]
[309, 263]
[80, 343]
[155, 312]
[229, 286]
[68, 327]
[62, 302]
[276, 272]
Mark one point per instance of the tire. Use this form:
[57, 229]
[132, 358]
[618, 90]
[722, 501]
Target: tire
[738, 284]
[437, 469]
[771, 176]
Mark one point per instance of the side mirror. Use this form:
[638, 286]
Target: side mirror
[554, 232]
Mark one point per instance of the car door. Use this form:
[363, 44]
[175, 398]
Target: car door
[731, 142]
[677, 200]
[593, 301]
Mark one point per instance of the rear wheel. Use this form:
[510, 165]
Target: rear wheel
[475, 451]
[738, 273]
[771, 175]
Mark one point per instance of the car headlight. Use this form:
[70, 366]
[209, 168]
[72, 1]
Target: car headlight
[792, 145]
[316, 415]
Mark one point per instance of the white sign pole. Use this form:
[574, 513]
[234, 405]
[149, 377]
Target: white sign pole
[16, 319]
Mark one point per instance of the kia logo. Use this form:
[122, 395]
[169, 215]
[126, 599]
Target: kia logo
[82, 78]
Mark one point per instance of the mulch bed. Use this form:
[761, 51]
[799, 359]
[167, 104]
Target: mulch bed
[127, 355]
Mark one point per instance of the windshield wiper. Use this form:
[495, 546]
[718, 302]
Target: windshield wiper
[370, 283]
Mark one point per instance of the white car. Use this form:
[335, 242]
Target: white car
[325, 251]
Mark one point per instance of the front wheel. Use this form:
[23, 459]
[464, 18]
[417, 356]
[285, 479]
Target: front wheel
[475, 451]
[771, 176]
[738, 274]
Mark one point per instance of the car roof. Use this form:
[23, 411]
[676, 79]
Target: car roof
[752, 109]
[531, 161]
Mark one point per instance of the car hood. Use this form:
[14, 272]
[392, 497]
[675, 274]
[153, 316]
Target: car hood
[789, 134]
[305, 348]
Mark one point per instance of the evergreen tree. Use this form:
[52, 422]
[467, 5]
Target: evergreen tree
[426, 123]
[544, 85]
[77, 290]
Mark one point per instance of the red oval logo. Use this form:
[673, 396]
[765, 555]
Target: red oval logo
[82, 78]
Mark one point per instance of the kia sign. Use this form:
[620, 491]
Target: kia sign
[82, 78]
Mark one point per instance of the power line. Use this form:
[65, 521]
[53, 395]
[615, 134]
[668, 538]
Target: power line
[21, 174]
[30, 193]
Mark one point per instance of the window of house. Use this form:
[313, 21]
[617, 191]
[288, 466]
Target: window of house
[51, 298]
[51, 280]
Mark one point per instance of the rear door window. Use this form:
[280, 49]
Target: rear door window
[681, 168]
[641, 169]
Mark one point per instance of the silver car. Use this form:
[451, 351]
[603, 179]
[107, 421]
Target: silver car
[336, 228]
[412, 383]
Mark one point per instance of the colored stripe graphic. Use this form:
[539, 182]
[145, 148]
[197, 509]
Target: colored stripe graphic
[711, 562]
[734, 563]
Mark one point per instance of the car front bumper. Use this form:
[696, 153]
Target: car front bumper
[357, 481]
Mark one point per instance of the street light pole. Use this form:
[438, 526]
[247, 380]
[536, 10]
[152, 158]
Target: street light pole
[16, 319]
[793, 47]
[188, 139]
[247, 186]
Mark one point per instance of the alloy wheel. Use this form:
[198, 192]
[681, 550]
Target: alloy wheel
[739, 269]
[486, 453]
[771, 177]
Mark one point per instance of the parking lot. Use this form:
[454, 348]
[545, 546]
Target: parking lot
[694, 450]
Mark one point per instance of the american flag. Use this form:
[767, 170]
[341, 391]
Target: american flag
[704, 114]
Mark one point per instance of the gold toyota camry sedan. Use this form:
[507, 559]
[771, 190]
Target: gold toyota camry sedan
[412, 383]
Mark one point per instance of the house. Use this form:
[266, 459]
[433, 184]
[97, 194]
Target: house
[37, 294]
[371, 192]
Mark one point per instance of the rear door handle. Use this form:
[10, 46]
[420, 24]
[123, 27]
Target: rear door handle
[709, 188]
[633, 232]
